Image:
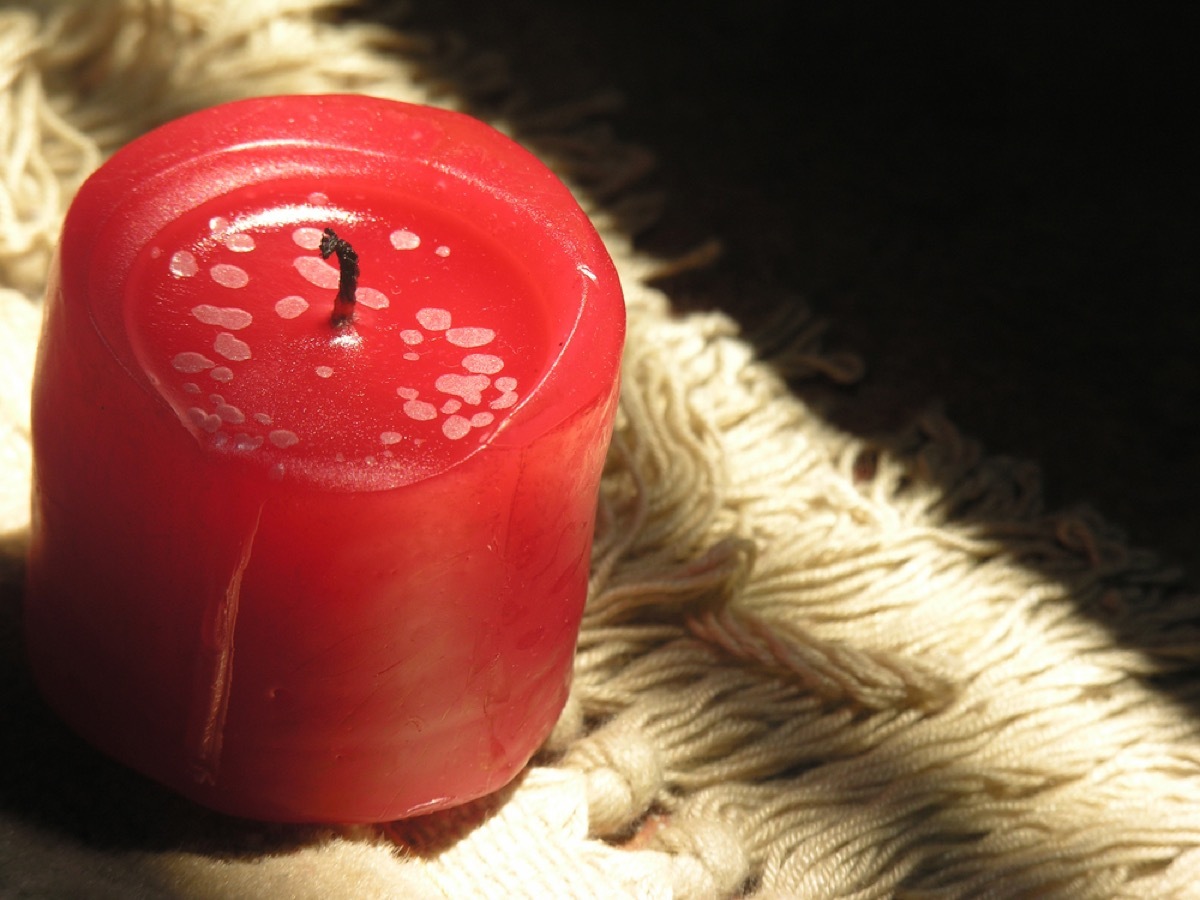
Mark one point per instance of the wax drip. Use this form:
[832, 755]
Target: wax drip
[343, 305]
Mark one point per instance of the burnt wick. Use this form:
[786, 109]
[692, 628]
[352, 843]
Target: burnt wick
[343, 305]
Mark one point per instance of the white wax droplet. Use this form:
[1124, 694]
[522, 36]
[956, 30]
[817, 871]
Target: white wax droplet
[451, 406]
[324, 371]
[412, 356]
[190, 363]
[247, 442]
[220, 440]
[290, 307]
[420, 410]
[218, 225]
[470, 337]
[183, 265]
[316, 198]
[403, 239]
[411, 336]
[203, 420]
[587, 272]
[262, 418]
[231, 348]
[456, 427]
[480, 419]
[390, 437]
[239, 243]
[191, 387]
[308, 238]
[504, 401]
[221, 373]
[317, 271]
[371, 298]
[283, 439]
[223, 316]
[407, 393]
[433, 318]
[468, 387]
[483, 363]
[506, 384]
[230, 414]
[229, 276]
[442, 251]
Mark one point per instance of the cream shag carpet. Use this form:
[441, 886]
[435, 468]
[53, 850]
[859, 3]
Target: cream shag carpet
[810, 667]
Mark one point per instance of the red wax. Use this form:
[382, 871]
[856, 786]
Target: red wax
[306, 570]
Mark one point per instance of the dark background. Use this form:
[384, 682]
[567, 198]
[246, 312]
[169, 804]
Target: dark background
[996, 208]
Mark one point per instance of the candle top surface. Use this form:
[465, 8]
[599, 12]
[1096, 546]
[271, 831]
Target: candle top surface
[229, 311]
[484, 300]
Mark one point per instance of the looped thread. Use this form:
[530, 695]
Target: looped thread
[835, 671]
[708, 857]
[624, 775]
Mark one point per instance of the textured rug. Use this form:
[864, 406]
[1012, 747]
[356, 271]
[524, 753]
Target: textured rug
[811, 666]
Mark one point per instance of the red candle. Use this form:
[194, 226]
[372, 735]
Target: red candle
[323, 395]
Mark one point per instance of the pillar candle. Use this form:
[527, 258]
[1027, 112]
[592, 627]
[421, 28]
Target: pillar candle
[323, 395]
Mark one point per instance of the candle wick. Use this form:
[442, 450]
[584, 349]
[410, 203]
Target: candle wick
[343, 305]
